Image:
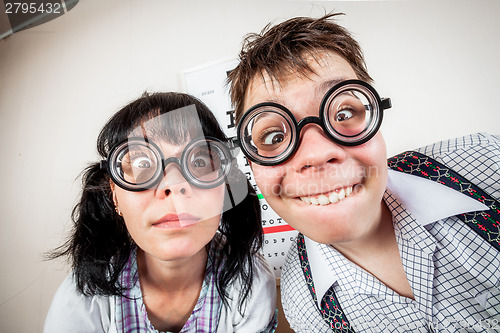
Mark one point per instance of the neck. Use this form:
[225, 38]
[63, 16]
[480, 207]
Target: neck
[170, 288]
[378, 253]
[171, 276]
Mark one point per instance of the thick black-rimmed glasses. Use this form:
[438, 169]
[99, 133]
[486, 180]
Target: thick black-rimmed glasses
[137, 164]
[350, 114]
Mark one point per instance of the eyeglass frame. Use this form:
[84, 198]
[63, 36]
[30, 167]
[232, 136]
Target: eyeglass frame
[160, 172]
[382, 104]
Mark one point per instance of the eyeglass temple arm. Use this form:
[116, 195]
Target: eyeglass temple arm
[386, 103]
[234, 145]
[233, 142]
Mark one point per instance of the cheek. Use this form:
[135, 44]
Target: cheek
[129, 202]
[380, 155]
[210, 201]
[268, 178]
[215, 195]
[132, 205]
[373, 155]
[374, 158]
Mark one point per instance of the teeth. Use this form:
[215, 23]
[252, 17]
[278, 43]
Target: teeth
[323, 200]
[348, 191]
[332, 198]
[341, 194]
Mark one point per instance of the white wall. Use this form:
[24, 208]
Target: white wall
[59, 83]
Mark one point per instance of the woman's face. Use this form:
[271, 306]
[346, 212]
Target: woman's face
[174, 219]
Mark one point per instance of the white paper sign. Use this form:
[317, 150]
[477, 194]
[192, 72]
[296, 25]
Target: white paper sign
[208, 83]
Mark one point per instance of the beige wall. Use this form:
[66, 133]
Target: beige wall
[59, 82]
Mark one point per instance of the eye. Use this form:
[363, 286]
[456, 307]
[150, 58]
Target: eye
[204, 164]
[205, 159]
[138, 165]
[200, 161]
[272, 137]
[344, 115]
[141, 163]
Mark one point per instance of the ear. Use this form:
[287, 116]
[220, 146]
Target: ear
[113, 193]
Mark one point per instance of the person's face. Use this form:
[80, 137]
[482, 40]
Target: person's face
[329, 192]
[174, 219]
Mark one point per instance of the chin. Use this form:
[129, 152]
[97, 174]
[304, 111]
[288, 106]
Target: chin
[332, 239]
[324, 227]
[327, 235]
[179, 249]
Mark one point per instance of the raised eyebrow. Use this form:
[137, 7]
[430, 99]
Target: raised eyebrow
[323, 87]
[276, 101]
[260, 116]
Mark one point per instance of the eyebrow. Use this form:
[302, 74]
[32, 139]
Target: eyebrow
[320, 90]
[323, 87]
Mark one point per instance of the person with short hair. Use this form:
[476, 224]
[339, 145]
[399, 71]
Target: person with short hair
[378, 250]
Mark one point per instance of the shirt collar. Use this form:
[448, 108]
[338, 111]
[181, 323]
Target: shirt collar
[322, 275]
[429, 201]
[426, 200]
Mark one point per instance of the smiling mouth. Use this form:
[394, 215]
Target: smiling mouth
[328, 198]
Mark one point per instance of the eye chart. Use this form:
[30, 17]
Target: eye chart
[208, 83]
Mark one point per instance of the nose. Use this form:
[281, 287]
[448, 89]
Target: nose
[173, 183]
[316, 150]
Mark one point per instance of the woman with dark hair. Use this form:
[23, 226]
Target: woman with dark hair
[167, 231]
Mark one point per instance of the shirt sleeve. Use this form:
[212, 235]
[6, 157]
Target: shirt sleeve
[71, 311]
[259, 312]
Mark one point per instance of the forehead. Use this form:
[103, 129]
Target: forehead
[329, 68]
[167, 133]
[176, 126]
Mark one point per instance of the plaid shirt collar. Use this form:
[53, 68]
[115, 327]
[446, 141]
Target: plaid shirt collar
[427, 202]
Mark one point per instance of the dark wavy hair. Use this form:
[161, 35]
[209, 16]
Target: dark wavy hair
[99, 244]
[282, 49]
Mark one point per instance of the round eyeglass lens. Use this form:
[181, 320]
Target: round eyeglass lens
[136, 163]
[352, 114]
[207, 162]
[268, 133]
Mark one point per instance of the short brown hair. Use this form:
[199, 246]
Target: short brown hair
[284, 48]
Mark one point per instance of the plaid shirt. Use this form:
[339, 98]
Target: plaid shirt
[454, 274]
[73, 312]
[130, 311]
